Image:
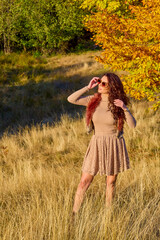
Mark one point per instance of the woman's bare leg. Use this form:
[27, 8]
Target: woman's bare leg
[84, 183]
[110, 189]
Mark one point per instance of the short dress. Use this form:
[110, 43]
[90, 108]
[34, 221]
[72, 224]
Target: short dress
[106, 154]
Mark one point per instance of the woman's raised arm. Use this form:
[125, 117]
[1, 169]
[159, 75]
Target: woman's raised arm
[76, 97]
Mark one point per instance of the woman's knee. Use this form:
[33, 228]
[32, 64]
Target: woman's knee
[111, 180]
[85, 181]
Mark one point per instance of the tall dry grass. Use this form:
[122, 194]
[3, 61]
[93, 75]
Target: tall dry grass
[41, 168]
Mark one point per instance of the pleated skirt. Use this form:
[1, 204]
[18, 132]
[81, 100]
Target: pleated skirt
[106, 155]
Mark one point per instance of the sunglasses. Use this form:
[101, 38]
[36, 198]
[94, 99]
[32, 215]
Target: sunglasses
[104, 84]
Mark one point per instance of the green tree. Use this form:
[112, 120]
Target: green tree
[39, 24]
[8, 17]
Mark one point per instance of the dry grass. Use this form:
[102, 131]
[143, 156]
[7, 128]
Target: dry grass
[31, 88]
[40, 170]
[21, 69]
[75, 65]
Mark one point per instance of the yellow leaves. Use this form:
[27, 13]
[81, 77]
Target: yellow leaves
[150, 3]
[156, 106]
[151, 99]
[113, 5]
[130, 44]
[89, 4]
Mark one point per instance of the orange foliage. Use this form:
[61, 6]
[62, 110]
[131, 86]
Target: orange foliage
[131, 44]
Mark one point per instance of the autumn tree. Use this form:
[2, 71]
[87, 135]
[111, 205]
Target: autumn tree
[129, 33]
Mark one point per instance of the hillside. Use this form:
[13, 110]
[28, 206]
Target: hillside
[40, 164]
[32, 88]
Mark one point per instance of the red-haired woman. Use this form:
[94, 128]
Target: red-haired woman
[106, 154]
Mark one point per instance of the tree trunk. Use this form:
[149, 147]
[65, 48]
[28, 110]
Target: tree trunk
[6, 45]
[24, 48]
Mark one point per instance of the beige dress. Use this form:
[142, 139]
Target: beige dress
[106, 154]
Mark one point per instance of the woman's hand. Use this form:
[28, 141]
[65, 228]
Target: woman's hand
[93, 83]
[120, 103]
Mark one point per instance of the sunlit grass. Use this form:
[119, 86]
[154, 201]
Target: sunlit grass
[24, 68]
[41, 168]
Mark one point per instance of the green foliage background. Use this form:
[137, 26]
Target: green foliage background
[40, 25]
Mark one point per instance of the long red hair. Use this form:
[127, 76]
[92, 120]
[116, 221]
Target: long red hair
[115, 92]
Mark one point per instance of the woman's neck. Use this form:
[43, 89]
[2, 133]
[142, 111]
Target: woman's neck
[104, 96]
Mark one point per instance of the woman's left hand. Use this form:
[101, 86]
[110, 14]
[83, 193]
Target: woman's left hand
[120, 103]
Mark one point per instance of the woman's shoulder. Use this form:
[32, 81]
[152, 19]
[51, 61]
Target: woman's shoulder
[90, 97]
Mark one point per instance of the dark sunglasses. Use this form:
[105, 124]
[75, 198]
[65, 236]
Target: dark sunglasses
[104, 84]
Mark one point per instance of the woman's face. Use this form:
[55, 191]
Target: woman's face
[101, 88]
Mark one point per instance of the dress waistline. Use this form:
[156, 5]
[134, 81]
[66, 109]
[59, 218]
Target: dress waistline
[105, 133]
[113, 134]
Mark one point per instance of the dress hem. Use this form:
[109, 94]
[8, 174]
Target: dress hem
[102, 173]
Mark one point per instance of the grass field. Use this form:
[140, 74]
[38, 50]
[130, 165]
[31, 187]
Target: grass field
[33, 90]
[40, 168]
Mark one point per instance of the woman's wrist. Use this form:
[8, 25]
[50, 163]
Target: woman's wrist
[125, 109]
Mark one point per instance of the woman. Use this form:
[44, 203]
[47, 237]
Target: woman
[106, 153]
